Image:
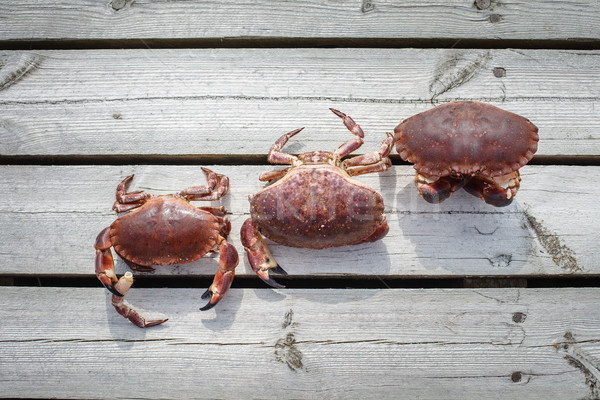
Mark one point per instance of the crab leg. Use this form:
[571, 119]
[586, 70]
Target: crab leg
[352, 144]
[380, 166]
[436, 191]
[376, 161]
[498, 191]
[105, 271]
[278, 157]
[224, 226]
[217, 187]
[123, 308]
[227, 262]
[259, 256]
[219, 211]
[373, 157]
[270, 175]
[128, 201]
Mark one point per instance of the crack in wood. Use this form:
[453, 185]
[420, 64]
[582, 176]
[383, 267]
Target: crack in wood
[328, 99]
[169, 341]
[81, 340]
[217, 344]
[54, 212]
[499, 301]
[508, 342]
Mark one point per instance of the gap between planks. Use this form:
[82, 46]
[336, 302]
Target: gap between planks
[232, 159]
[285, 43]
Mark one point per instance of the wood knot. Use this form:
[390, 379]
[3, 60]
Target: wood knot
[516, 376]
[482, 4]
[499, 72]
[495, 18]
[367, 6]
[287, 319]
[286, 352]
[118, 4]
[519, 317]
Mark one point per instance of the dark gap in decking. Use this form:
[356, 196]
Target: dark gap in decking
[139, 159]
[566, 160]
[281, 42]
[358, 282]
[227, 159]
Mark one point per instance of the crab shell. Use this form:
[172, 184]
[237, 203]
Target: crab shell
[164, 231]
[317, 206]
[466, 138]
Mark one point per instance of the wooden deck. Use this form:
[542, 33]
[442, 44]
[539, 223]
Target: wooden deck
[459, 301]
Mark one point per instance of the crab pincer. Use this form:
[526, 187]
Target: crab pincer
[227, 262]
[261, 259]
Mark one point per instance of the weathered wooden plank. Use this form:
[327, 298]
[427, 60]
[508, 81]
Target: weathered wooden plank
[359, 74]
[127, 19]
[51, 216]
[239, 101]
[462, 343]
[242, 127]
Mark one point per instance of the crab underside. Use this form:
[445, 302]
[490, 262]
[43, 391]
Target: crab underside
[470, 145]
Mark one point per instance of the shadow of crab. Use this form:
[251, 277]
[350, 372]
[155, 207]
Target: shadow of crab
[463, 236]
[367, 261]
[164, 302]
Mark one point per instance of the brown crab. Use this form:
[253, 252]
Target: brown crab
[315, 203]
[165, 230]
[467, 144]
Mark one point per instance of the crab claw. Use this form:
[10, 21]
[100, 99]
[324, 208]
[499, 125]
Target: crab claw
[110, 287]
[259, 256]
[210, 304]
[106, 275]
[105, 265]
[436, 191]
[228, 260]
[498, 191]
[279, 270]
[264, 275]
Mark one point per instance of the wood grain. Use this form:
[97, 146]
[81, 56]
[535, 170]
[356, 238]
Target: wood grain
[467, 344]
[51, 216]
[231, 19]
[228, 105]
[238, 102]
